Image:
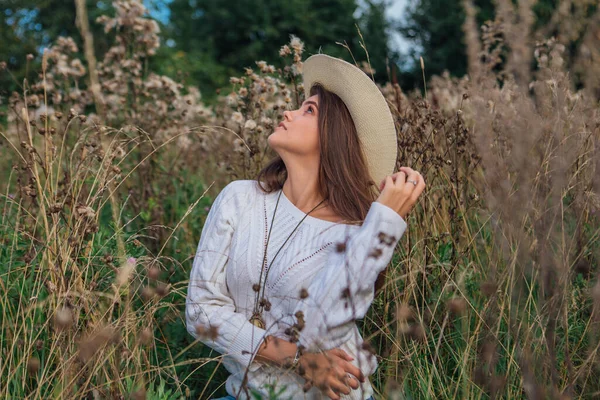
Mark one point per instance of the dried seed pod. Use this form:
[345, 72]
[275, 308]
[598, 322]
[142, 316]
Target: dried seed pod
[303, 293]
[153, 273]
[340, 247]
[63, 318]
[456, 306]
[488, 288]
[163, 289]
[148, 293]
[211, 332]
[417, 333]
[33, 365]
[146, 337]
[404, 313]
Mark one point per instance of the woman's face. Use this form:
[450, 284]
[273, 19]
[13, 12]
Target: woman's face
[299, 134]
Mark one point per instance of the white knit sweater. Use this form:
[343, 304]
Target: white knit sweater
[228, 262]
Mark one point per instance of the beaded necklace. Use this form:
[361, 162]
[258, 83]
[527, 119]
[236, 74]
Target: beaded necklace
[263, 303]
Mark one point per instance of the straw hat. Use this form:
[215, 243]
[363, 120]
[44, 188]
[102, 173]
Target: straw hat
[369, 110]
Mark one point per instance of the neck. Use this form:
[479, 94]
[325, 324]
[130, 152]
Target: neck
[302, 190]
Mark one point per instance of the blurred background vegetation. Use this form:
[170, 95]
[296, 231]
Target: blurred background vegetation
[204, 42]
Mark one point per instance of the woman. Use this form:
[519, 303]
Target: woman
[286, 263]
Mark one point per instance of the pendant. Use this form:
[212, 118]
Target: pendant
[257, 321]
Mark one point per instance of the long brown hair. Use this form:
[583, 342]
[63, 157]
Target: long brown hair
[343, 176]
[343, 179]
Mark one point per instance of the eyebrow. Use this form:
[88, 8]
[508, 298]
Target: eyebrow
[311, 102]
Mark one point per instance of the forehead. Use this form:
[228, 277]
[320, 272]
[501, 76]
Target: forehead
[314, 98]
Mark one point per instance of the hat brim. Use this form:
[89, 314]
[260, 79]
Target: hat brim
[367, 106]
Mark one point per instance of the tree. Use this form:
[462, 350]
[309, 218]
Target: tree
[214, 40]
[435, 27]
[375, 30]
[28, 26]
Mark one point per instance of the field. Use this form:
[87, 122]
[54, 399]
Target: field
[493, 292]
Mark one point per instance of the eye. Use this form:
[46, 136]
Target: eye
[310, 108]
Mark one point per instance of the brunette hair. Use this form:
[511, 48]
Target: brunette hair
[343, 179]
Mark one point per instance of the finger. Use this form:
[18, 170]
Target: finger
[354, 370]
[400, 179]
[339, 386]
[352, 382]
[338, 373]
[389, 181]
[406, 170]
[307, 386]
[331, 394]
[418, 189]
[340, 353]
[413, 176]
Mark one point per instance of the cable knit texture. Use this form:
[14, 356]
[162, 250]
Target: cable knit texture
[340, 284]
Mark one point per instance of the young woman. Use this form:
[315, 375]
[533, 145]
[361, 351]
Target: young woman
[286, 263]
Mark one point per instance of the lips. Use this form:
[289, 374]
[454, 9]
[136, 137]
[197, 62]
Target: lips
[281, 124]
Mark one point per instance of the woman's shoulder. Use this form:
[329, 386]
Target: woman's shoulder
[240, 192]
[242, 186]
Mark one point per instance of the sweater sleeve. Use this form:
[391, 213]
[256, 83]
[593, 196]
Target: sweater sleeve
[208, 303]
[343, 290]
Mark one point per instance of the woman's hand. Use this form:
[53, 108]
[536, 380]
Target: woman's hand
[398, 193]
[329, 371]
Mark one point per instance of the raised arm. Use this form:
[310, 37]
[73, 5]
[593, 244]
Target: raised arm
[210, 311]
[344, 289]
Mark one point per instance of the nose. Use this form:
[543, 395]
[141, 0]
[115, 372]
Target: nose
[287, 115]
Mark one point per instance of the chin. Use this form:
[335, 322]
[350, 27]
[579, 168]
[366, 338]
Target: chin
[273, 137]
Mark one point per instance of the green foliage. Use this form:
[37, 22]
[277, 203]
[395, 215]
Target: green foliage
[435, 28]
[214, 39]
[161, 392]
[27, 26]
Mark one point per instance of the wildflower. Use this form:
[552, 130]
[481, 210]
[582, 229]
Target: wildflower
[231, 99]
[266, 121]
[296, 44]
[261, 64]
[250, 124]
[237, 117]
[63, 318]
[285, 51]
[297, 69]
[125, 271]
[83, 211]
